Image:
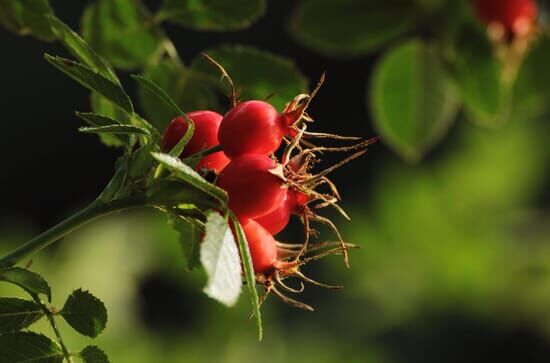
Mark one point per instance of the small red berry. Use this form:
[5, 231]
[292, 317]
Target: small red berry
[513, 15]
[277, 220]
[205, 136]
[262, 245]
[253, 189]
[253, 127]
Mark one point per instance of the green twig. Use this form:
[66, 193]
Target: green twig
[51, 320]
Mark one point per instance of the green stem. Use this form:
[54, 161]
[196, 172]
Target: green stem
[93, 211]
[53, 324]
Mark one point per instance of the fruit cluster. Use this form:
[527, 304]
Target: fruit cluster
[508, 17]
[267, 185]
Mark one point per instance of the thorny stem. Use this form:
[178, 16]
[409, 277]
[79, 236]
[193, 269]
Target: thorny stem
[53, 324]
[93, 211]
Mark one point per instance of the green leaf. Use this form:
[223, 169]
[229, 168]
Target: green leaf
[478, 76]
[93, 81]
[188, 89]
[115, 129]
[249, 273]
[220, 258]
[189, 237]
[121, 31]
[81, 50]
[218, 15]
[23, 347]
[257, 74]
[170, 192]
[412, 101]
[96, 120]
[27, 280]
[117, 182]
[351, 27]
[17, 314]
[141, 161]
[85, 313]
[190, 176]
[92, 354]
[27, 17]
[532, 87]
[156, 91]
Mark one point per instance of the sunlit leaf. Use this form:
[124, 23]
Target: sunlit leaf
[93, 81]
[217, 15]
[412, 100]
[27, 280]
[115, 129]
[188, 89]
[257, 74]
[351, 27]
[27, 17]
[220, 258]
[121, 31]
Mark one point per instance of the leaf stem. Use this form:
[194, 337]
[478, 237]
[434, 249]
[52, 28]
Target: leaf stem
[95, 210]
[51, 320]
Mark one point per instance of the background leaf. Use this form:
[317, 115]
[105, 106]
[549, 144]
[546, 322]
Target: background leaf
[93, 81]
[351, 27]
[27, 280]
[27, 17]
[257, 74]
[189, 237]
[121, 31]
[189, 90]
[217, 15]
[221, 261]
[17, 314]
[478, 77]
[29, 347]
[81, 50]
[85, 313]
[532, 87]
[412, 101]
[92, 354]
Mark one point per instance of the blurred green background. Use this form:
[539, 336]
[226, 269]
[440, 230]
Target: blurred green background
[454, 264]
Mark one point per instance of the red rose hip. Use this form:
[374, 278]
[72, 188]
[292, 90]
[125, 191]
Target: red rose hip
[205, 136]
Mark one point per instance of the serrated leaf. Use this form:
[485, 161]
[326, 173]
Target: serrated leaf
[412, 100]
[81, 50]
[27, 280]
[27, 17]
[92, 354]
[218, 15]
[190, 176]
[120, 31]
[115, 129]
[17, 314]
[257, 74]
[188, 90]
[24, 347]
[351, 27]
[478, 76]
[220, 258]
[93, 81]
[189, 238]
[85, 313]
[96, 120]
[249, 273]
[141, 161]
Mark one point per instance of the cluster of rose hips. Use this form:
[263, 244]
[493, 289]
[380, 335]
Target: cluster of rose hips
[508, 18]
[265, 189]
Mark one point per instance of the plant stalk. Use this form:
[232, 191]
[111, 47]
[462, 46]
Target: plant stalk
[53, 324]
[93, 211]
